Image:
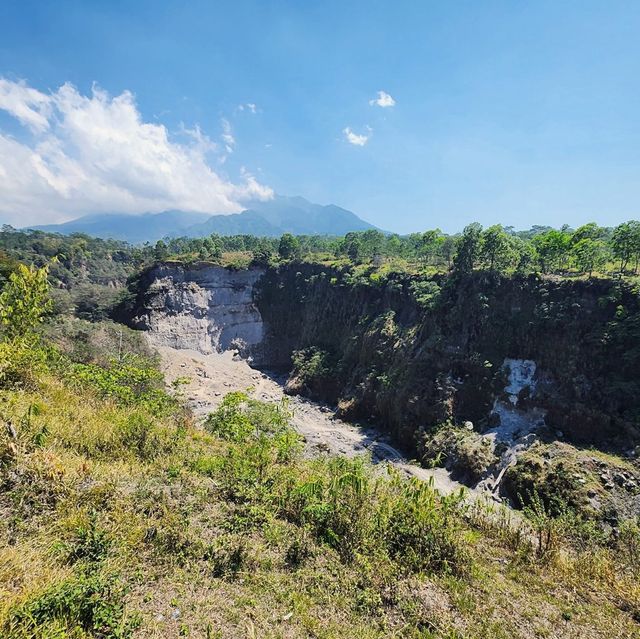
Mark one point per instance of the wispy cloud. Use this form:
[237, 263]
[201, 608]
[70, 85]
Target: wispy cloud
[31, 107]
[227, 136]
[383, 100]
[249, 106]
[357, 139]
[92, 153]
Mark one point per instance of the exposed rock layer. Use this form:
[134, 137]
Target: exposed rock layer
[205, 308]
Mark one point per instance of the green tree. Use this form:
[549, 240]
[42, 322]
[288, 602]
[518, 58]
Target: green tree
[393, 246]
[552, 248]
[371, 242]
[448, 249]
[589, 255]
[212, 248]
[469, 246]
[351, 246]
[525, 254]
[496, 248]
[262, 253]
[289, 247]
[430, 244]
[590, 231]
[625, 244]
[160, 252]
[25, 301]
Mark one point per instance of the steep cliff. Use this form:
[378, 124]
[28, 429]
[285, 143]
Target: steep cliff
[415, 353]
[202, 307]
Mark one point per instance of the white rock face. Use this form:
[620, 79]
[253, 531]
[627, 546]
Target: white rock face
[514, 420]
[521, 375]
[516, 425]
[208, 309]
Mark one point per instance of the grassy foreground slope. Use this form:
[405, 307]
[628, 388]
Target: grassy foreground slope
[120, 517]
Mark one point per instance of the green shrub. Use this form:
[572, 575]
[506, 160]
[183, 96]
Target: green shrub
[239, 418]
[421, 529]
[22, 361]
[87, 604]
[425, 292]
[312, 364]
[24, 301]
[128, 382]
[334, 503]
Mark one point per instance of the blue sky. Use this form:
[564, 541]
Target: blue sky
[514, 112]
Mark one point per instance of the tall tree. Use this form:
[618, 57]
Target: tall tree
[496, 249]
[469, 246]
[289, 247]
[625, 244]
[552, 248]
[430, 243]
[589, 255]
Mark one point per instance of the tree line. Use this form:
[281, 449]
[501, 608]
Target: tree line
[81, 260]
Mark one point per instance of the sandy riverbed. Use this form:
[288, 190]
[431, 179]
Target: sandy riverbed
[212, 376]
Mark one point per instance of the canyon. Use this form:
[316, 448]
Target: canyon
[517, 364]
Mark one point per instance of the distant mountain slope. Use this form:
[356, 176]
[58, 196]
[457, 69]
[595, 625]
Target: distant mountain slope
[284, 214]
[148, 227]
[273, 218]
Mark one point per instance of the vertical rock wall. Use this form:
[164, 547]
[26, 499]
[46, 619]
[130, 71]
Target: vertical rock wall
[203, 307]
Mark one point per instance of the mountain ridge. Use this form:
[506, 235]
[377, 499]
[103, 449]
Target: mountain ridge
[282, 214]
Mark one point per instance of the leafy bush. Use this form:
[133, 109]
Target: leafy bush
[464, 452]
[90, 604]
[312, 363]
[22, 361]
[421, 529]
[128, 382]
[238, 418]
[25, 301]
[336, 503]
[425, 292]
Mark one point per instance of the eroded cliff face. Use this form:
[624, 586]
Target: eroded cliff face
[202, 307]
[414, 353]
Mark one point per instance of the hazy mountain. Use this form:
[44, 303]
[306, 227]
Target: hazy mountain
[280, 215]
[284, 214]
[148, 227]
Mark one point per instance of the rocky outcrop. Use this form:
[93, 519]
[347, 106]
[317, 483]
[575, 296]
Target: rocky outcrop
[201, 307]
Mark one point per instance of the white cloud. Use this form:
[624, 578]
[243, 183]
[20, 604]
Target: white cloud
[383, 100]
[95, 153]
[29, 106]
[227, 136]
[249, 106]
[358, 139]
